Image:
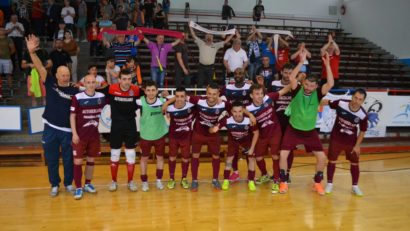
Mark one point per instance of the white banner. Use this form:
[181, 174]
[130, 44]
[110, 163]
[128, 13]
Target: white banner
[10, 118]
[35, 120]
[200, 28]
[398, 111]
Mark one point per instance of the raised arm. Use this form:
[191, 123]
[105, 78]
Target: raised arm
[229, 38]
[283, 41]
[192, 32]
[177, 41]
[33, 43]
[295, 72]
[329, 77]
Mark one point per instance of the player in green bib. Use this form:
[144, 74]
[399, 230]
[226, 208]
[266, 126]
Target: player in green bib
[153, 129]
[302, 111]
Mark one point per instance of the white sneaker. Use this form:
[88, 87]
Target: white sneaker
[145, 186]
[329, 188]
[132, 186]
[54, 191]
[113, 186]
[159, 185]
[89, 188]
[356, 191]
[70, 189]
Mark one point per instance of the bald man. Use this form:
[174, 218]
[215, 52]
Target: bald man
[57, 133]
[85, 109]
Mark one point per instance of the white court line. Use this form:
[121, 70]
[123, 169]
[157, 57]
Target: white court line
[206, 181]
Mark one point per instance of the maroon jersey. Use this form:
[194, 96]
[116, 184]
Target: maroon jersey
[207, 116]
[345, 127]
[122, 103]
[233, 93]
[238, 131]
[265, 115]
[180, 126]
[87, 110]
[282, 103]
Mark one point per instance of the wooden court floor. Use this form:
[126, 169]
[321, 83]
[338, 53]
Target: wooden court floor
[385, 181]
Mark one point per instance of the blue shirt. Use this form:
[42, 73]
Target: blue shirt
[57, 111]
[267, 52]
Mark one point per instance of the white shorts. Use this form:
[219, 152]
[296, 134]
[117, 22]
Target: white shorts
[6, 66]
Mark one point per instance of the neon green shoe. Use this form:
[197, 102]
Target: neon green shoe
[225, 185]
[263, 179]
[275, 188]
[185, 183]
[171, 184]
[251, 186]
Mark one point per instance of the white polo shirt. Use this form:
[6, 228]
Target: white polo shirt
[235, 59]
[68, 19]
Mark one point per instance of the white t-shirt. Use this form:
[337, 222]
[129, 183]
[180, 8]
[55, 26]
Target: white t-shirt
[235, 59]
[99, 79]
[68, 19]
[116, 69]
[15, 32]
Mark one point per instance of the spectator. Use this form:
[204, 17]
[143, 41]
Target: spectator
[333, 50]
[133, 67]
[68, 14]
[159, 55]
[235, 57]
[121, 49]
[159, 17]
[227, 11]
[93, 38]
[15, 31]
[7, 49]
[207, 53]
[267, 71]
[148, 9]
[138, 16]
[23, 15]
[266, 48]
[166, 5]
[100, 81]
[53, 18]
[72, 48]
[27, 65]
[37, 21]
[59, 57]
[1, 18]
[254, 51]
[182, 72]
[60, 33]
[121, 19]
[112, 71]
[107, 9]
[82, 21]
[125, 7]
[257, 11]
[295, 59]
[282, 54]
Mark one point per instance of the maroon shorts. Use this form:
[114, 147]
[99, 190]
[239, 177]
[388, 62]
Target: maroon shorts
[183, 144]
[234, 145]
[336, 148]
[213, 143]
[158, 144]
[294, 137]
[273, 143]
[87, 147]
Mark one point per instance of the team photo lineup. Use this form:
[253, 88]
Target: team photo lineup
[264, 115]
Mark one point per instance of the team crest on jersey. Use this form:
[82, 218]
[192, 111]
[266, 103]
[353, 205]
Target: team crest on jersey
[356, 120]
[189, 110]
[265, 104]
[99, 101]
[131, 92]
[217, 111]
[246, 127]
[244, 93]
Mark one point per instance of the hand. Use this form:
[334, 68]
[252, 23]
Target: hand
[329, 38]
[251, 151]
[248, 81]
[253, 28]
[164, 93]
[213, 129]
[302, 56]
[164, 108]
[260, 80]
[356, 150]
[32, 43]
[252, 120]
[186, 72]
[326, 59]
[76, 139]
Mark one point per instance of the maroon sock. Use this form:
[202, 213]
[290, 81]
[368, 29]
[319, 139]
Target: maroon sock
[130, 171]
[226, 174]
[276, 170]
[262, 166]
[78, 175]
[355, 171]
[251, 175]
[194, 168]
[172, 165]
[235, 162]
[216, 164]
[114, 170]
[159, 174]
[144, 178]
[318, 177]
[290, 160]
[331, 168]
[184, 166]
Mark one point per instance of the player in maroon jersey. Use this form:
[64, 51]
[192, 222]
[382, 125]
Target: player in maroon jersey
[85, 109]
[350, 114]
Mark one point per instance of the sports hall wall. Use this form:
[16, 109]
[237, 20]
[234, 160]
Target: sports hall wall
[385, 23]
